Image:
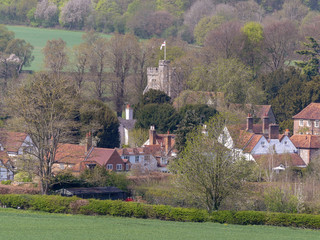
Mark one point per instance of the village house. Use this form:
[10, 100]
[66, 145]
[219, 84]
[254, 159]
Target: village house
[306, 131]
[77, 158]
[252, 141]
[139, 158]
[15, 143]
[6, 167]
[162, 147]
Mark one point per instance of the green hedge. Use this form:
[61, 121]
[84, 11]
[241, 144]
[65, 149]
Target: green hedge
[58, 204]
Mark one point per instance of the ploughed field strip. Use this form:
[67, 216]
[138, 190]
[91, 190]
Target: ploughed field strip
[20, 224]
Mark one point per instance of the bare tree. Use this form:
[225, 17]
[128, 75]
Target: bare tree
[311, 27]
[45, 106]
[249, 11]
[225, 41]
[47, 11]
[280, 42]
[294, 10]
[55, 56]
[121, 49]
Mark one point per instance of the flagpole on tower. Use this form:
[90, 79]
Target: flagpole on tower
[165, 49]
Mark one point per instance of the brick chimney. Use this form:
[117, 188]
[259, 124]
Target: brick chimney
[167, 143]
[249, 123]
[152, 136]
[287, 132]
[265, 124]
[273, 131]
[88, 142]
[129, 113]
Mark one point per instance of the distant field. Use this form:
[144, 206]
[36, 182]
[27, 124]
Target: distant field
[38, 37]
[20, 224]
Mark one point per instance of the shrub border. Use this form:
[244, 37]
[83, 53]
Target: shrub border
[74, 205]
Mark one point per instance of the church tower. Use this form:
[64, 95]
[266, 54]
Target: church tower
[160, 78]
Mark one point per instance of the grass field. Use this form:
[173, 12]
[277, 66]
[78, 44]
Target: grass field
[38, 37]
[20, 224]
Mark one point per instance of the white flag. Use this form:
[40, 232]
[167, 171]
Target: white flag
[163, 45]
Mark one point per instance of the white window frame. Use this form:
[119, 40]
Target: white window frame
[119, 167]
[308, 123]
[110, 166]
[62, 167]
[301, 122]
[316, 123]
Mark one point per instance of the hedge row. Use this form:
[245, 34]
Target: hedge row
[58, 204]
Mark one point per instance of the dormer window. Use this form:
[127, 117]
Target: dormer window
[262, 143]
[316, 123]
[301, 122]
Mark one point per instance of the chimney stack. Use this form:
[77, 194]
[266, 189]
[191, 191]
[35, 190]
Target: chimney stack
[287, 132]
[129, 113]
[249, 123]
[273, 131]
[88, 142]
[167, 143]
[152, 136]
[265, 124]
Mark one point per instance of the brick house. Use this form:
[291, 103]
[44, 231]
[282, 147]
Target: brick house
[307, 121]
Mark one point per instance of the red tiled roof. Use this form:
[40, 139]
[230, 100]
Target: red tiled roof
[4, 157]
[13, 141]
[292, 159]
[103, 155]
[70, 153]
[312, 111]
[253, 142]
[306, 141]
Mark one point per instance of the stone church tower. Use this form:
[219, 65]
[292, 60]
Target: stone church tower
[160, 78]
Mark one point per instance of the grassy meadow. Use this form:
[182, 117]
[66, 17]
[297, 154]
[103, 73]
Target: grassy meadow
[38, 37]
[20, 224]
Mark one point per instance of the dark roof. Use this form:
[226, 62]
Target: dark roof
[312, 111]
[103, 155]
[94, 190]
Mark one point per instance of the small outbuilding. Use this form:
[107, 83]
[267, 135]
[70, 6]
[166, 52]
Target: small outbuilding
[102, 193]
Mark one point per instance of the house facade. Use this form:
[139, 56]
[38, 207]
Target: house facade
[307, 121]
[139, 158]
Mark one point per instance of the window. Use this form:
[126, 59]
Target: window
[262, 143]
[109, 166]
[126, 157]
[301, 122]
[127, 167]
[316, 123]
[285, 142]
[119, 167]
[309, 123]
[61, 166]
[137, 159]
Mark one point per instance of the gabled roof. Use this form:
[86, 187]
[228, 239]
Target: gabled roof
[252, 143]
[103, 155]
[70, 153]
[306, 141]
[13, 140]
[4, 158]
[286, 159]
[133, 151]
[312, 111]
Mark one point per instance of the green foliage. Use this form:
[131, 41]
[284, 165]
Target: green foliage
[101, 177]
[155, 96]
[312, 66]
[163, 116]
[6, 182]
[22, 177]
[253, 31]
[5, 37]
[66, 180]
[205, 25]
[278, 200]
[94, 114]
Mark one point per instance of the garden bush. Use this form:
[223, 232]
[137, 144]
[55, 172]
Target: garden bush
[58, 204]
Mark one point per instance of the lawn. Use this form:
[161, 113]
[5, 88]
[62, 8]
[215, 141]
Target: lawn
[38, 38]
[20, 224]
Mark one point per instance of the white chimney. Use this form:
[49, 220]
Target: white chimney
[129, 113]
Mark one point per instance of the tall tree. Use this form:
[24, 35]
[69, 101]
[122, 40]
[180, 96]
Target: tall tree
[121, 49]
[206, 170]
[55, 56]
[310, 67]
[45, 106]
